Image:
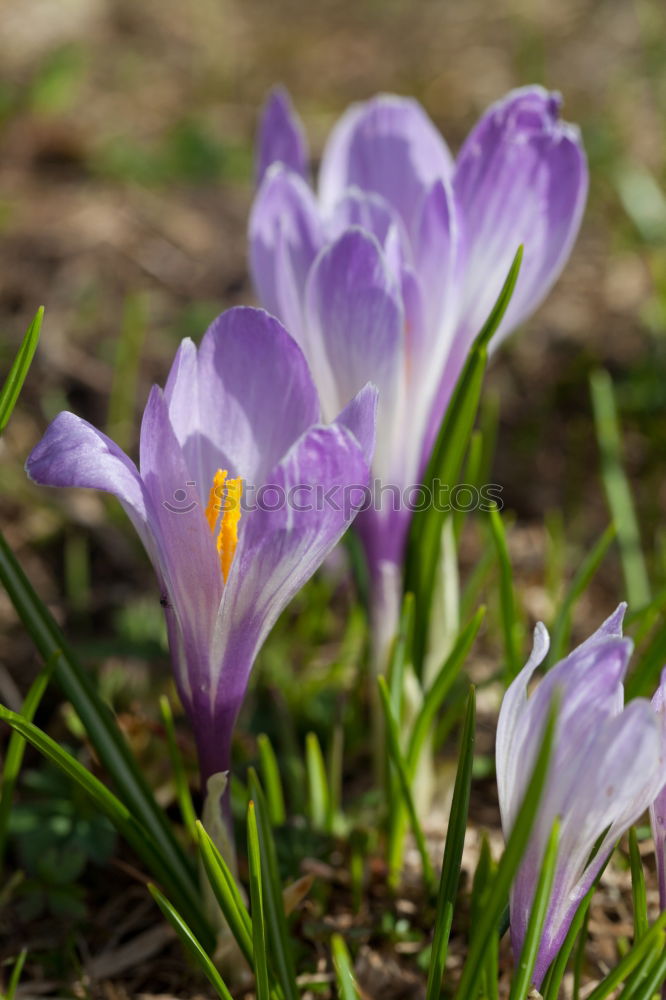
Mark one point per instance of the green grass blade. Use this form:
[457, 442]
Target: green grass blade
[510, 624]
[553, 981]
[498, 892]
[272, 781]
[105, 736]
[319, 799]
[14, 756]
[226, 893]
[190, 943]
[618, 492]
[631, 960]
[257, 904]
[183, 793]
[445, 463]
[344, 973]
[582, 578]
[439, 689]
[398, 761]
[650, 984]
[15, 976]
[122, 398]
[277, 930]
[116, 811]
[400, 654]
[453, 851]
[645, 676]
[528, 956]
[17, 373]
[638, 891]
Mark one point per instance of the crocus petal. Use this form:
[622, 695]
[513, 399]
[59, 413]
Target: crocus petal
[300, 514]
[355, 331]
[369, 211]
[439, 261]
[521, 178]
[74, 453]
[360, 416]
[513, 706]
[618, 774]
[281, 136]
[189, 559]
[658, 807]
[285, 235]
[387, 145]
[232, 412]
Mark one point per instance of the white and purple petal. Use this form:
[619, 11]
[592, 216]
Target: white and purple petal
[285, 234]
[520, 178]
[241, 401]
[658, 806]
[388, 146]
[281, 137]
[355, 329]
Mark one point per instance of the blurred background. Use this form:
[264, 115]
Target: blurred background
[126, 134]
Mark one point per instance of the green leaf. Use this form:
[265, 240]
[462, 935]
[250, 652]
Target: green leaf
[183, 793]
[319, 799]
[272, 781]
[226, 893]
[618, 491]
[553, 981]
[638, 893]
[653, 979]
[509, 618]
[397, 759]
[530, 950]
[257, 903]
[14, 755]
[444, 466]
[582, 578]
[17, 373]
[190, 942]
[453, 851]
[277, 930]
[344, 973]
[439, 689]
[645, 676]
[15, 976]
[498, 891]
[107, 739]
[400, 654]
[116, 811]
[631, 960]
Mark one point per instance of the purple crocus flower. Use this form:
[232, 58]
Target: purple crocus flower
[239, 496]
[390, 271]
[658, 807]
[604, 771]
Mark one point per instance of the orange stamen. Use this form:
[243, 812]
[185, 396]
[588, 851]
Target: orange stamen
[227, 539]
[215, 498]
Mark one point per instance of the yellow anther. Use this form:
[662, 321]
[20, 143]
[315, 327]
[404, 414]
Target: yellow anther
[215, 498]
[227, 539]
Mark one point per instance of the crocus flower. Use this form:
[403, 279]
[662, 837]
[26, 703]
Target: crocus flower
[604, 772]
[238, 497]
[658, 807]
[391, 269]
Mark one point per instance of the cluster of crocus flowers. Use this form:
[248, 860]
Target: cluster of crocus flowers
[606, 768]
[224, 500]
[388, 273]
